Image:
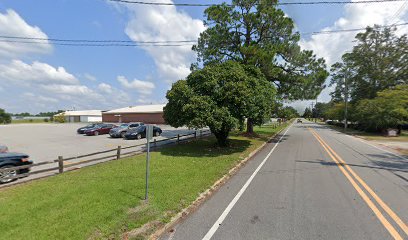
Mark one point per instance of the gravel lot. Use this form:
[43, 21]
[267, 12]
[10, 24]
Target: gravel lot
[45, 142]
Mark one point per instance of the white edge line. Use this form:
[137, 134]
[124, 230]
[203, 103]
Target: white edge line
[219, 221]
[372, 145]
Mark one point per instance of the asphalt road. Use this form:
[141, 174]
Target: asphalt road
[316, 183]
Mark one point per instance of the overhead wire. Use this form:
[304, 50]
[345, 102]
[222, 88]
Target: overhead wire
[279, 3]
[131, 43]
[397, 13]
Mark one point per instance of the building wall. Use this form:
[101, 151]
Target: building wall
[155, 118]
[72, 119]
[91, 119]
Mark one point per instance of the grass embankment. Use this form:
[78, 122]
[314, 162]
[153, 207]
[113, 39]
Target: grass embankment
[105, 200]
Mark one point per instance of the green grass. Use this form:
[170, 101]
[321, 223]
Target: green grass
[17, 121]
[372, 136]
[105, 200]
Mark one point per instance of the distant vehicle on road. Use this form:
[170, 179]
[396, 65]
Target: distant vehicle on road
[9, 160]
[299, 120]
[87, 127]
[140, 132]
[99, 129]
[122, 129]
[3, 149]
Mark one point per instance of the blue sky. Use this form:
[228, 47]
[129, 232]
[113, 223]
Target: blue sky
[44, 77]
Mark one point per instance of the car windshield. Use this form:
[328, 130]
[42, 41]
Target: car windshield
[125, 125]
[90, 126]
[136, 129]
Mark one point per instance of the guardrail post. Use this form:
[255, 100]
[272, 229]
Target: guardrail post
[178, 138]
[60, 164]
[201, 132]
[155, 143]
[195, 134]
[118, 152]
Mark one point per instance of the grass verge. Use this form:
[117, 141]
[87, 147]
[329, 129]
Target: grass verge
[371, 136]
[106, 200]
[19, 121]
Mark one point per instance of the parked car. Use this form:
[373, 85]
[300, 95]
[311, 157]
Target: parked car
[122, 129]
[3, 149]
[140, 132]
[9, 160]
[87, 127]
[99, 129]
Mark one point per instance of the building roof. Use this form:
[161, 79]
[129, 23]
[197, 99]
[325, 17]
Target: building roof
[139, 109]
[82, 113]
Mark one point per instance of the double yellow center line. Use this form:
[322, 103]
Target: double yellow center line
[353, 177]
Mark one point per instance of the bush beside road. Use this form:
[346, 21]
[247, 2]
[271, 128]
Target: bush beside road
[105, 200]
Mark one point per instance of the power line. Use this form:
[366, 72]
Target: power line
[96, 44]
[95, 41]
[129, 43]
[350, 30]
[279, 3]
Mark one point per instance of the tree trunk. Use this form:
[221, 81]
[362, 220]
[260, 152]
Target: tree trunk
[250, 126]
[222, 138]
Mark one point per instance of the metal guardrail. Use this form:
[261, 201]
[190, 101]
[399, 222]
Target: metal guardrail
[64, 163]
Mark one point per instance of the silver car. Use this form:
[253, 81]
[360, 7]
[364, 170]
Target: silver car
[3, 149]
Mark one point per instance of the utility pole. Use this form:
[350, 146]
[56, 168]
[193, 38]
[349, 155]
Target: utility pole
[316, 111]
[345, 99]
[312, 111]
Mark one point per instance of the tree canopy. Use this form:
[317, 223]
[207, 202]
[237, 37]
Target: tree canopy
[220, 96]
[256, 32]
[307, 113]
[4, 117]
[287, 112]
[387, 110]
[379, 61]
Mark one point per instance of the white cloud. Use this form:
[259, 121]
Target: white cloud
[142, 87]
[157, 23]
[90, 77]
[105, 88]
[39, 98]
[44, 87]
[332, 46]
[73, 90]
[11, 24]
[37, 72]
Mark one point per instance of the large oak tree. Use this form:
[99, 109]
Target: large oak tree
[220, 96]
[256, 32]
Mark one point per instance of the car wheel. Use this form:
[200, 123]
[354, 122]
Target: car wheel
[139, 136]
[10, 173]
[157, 134]
[96, 133]
[123, 134]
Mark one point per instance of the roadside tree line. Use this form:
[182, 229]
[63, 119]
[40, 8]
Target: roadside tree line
[373, 79]
[248, 61]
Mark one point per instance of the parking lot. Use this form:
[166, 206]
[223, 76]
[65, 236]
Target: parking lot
[45, 142]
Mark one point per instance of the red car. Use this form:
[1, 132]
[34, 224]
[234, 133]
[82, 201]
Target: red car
[99, 129]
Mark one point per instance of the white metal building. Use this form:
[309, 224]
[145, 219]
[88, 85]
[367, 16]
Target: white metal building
[82, 116]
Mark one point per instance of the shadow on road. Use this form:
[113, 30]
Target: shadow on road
[393, 168]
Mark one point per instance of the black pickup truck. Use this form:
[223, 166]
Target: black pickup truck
[9, 160]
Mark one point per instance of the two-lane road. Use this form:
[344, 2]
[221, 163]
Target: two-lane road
[314, 183]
